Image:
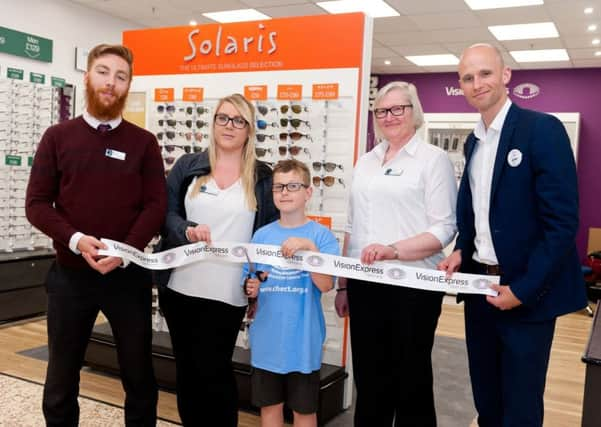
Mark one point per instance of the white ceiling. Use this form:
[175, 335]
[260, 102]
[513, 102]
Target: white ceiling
[424, 27]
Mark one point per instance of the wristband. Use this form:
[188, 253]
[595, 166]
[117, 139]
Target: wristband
[396, 251]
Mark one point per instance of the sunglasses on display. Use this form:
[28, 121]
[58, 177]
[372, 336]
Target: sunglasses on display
[327, 166]
[197, 135]
[261, 152]
[261, 137]
[295, 108]
[198, 149]
[294, 136]
[197, 110]
[199, 123]
[237, 122]
[166, 108]
[294, 150]
[262, 124]
[171, 148]
[395, 110]
[327, 180]
[169, 134]
[264, 109]
[167, 122]
[291, 187]
[295, 123]
[169, 160]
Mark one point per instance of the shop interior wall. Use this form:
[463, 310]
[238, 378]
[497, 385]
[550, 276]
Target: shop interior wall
[69, 25]
[561, 91]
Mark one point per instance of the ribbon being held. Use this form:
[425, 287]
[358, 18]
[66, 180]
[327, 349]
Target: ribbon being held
[390, 273]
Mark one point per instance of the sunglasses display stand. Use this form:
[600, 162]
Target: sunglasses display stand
[27, 110]
[181, 127]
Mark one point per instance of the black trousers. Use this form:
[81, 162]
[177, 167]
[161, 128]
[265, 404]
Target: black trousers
[74, 300]
[203, 334]
[392, 334]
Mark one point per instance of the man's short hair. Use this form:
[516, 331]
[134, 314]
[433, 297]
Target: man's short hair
[293, 165]
[111, 49]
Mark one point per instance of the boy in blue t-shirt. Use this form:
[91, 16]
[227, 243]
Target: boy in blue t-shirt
[288, 331]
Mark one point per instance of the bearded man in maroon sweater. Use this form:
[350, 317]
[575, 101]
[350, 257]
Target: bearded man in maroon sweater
[92, 177]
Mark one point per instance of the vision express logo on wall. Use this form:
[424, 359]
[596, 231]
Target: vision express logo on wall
[522, 91]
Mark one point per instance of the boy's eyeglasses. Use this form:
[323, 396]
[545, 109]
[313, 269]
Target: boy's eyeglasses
[237, 122]
[328, 166]
[295, 123]
[395, 110]
[294, 150]
[296, 108]
[327, 180]
[291, 187]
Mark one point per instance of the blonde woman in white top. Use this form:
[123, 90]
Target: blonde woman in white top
[220, 195]
[402, 207]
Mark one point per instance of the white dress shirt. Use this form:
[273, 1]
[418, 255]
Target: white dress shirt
[226, 213]
[414, 192]
[480, 171]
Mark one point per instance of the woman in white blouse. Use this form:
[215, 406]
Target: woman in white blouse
[402, 207]
[223, 195]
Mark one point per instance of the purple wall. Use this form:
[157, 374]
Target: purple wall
[560, 91]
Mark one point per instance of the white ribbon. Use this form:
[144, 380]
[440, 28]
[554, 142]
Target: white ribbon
[390, 273]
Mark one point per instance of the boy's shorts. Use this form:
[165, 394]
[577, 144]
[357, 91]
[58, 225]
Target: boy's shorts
[300, 392]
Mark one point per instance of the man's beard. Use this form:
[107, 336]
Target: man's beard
[100, 110]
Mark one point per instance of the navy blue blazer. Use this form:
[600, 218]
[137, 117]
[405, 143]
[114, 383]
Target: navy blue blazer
[533, 216]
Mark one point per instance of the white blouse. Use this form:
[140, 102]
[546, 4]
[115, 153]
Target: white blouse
[226, 213]
[412, 193]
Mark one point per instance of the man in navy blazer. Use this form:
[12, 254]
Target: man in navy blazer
[517, 217]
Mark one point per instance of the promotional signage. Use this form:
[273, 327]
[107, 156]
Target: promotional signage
[256, 92]
[25, 45]
[57, 82]
[11, 160]
[279, 44]
[14, 73]
[37, 78]
[193, 94]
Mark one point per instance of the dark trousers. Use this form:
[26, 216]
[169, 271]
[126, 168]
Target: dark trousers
[508, 362]
[392, 333]
[203, 334]
[74, 300]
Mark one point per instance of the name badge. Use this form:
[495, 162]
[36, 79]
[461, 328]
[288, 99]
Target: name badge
[114, 154]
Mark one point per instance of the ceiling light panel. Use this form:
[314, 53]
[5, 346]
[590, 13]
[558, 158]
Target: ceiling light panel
[239, 15]
[431, 60]
[500, 4]
[545, 55]
[539, 30]
[373, 8]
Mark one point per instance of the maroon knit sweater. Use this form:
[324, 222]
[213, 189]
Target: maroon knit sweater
[74, 186]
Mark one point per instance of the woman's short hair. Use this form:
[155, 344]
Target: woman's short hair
[410, 91]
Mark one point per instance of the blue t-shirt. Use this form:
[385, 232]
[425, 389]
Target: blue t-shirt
[288, 331]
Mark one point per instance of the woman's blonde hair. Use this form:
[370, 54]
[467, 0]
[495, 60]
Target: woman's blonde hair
[249, 157]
